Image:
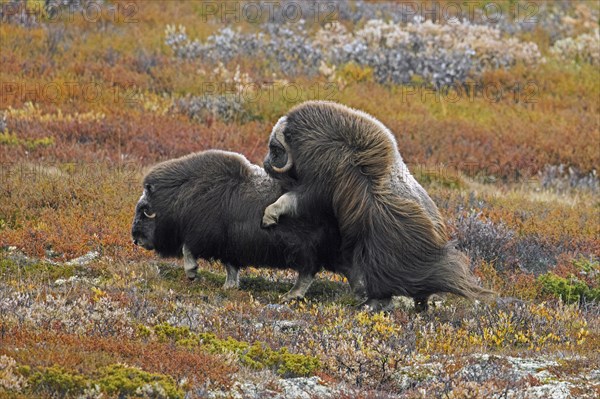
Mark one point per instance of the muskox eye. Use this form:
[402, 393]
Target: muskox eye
[278, 156]
[150, 216]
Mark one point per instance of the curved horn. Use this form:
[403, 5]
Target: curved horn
[152, 216]
[290, 159]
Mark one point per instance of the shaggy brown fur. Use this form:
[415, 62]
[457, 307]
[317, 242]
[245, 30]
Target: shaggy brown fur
[343, 160]
[209, 205]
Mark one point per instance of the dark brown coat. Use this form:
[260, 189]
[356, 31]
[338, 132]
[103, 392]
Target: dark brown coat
[345, 161]
[212, 203]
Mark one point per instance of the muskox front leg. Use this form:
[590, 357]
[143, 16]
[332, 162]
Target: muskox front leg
[189, 264]
[287, 204]
[232, 280]
[299, 289]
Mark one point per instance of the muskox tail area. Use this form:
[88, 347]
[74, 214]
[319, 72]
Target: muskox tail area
[455, 272]
[395, 243]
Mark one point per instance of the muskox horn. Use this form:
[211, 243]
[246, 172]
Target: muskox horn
[151, 216]
[290, 159]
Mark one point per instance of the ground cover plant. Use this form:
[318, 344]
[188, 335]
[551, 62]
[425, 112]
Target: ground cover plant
[495, 112]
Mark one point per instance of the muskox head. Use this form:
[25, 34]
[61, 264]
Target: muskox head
[308, 144]
[144, 222]
[279, 162]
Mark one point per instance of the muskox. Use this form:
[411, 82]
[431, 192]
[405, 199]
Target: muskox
[333, 158]
[209, 205]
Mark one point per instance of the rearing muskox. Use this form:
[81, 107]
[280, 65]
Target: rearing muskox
[333, 158]
[209, 205]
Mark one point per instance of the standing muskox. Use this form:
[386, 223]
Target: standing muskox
[332, 158]
[209, 205]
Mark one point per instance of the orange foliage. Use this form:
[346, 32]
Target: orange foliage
[85, 354]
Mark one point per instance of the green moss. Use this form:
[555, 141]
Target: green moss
[261, 285]
[7, 138]
[142, 331]
[169, 272]
[11, 139]
[290, 364]
[588, 266]
[211, 279]
[57, 382]
[115, 380]
[124, 381]
[38, 143]
[47, 271]
[257, 356]
[180, 335]
[25, 371]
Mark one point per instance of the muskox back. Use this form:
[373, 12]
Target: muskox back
[212, 202]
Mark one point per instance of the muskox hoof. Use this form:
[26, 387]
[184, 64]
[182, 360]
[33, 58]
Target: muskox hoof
[268, 221]
[421, 305]
[270, 216]
[291, 296]
[376, 305]
[231, 285]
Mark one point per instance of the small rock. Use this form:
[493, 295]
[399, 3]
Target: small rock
[278, 307]
[84, 260]
[551, 390]
[304, 388]
[286, 325]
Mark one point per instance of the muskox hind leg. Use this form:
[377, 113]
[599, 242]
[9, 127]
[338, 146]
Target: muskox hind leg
[189, 264]
[376, 305]
[356, 279]
[232, 281]
[421, 304]
[299, 289]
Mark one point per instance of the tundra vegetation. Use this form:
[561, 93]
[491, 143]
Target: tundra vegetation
[496, 117]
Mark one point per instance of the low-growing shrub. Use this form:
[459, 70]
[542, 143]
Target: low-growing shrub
[56, 381]
[10, 377]
[502, 246]
[561, 179]
[570, 290]
[584, 48]
[291, 52]
[256, 356]
[441, 54]
[206, 108]
[7, 138]
[259, 356]
[124, 381]
[116, 379]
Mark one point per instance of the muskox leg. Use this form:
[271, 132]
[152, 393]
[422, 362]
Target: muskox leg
[299, 289]
[376, 305]
[232, 281]
[189, 264]
[287, 204]
[356, 280]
